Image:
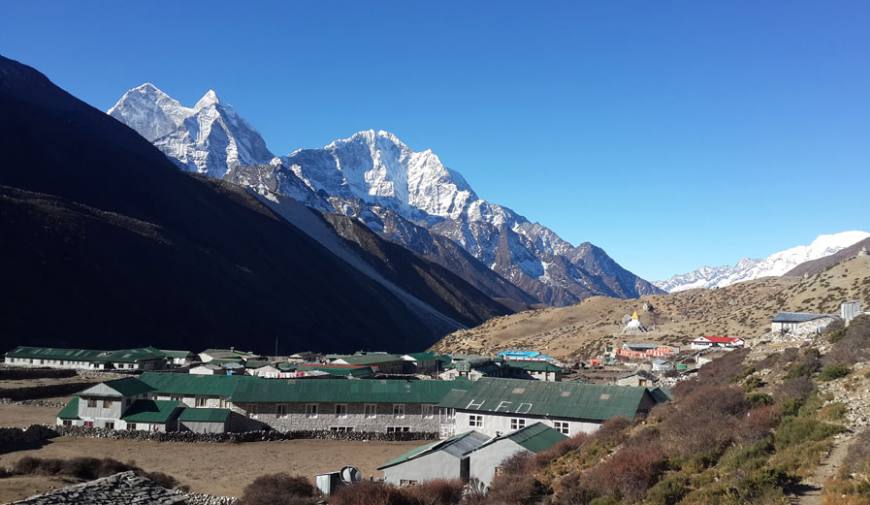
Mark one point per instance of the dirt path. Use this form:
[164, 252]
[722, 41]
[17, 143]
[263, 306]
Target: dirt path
[810, 491]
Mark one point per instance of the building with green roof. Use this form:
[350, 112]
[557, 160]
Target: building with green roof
[152, 415]
[146, 358]
[444, 459]
[534, 369]
[534, 438]
[379, 362]
[497, 406]
[205, 420]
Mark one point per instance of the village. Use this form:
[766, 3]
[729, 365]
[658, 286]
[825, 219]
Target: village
[469, 412]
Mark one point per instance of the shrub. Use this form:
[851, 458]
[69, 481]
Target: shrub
[807, 365]
[833, 372]
[669, 491]
[368, 493]
[798, 430]
[797, 389]
[278, 489]
[435, 492]
[629, 472]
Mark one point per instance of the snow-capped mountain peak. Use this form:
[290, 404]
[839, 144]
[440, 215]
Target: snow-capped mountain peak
[774, 265]
[209, 99]
[208, 138]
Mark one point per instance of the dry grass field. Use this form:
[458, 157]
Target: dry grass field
[744, 310]
[220, 469]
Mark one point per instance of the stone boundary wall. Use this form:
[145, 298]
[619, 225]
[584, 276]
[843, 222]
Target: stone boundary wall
[35, 435]
[248, 436]
[15, 373]
[125, 487]
[49, 391]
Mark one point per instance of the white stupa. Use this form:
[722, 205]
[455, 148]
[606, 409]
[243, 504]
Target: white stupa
[634, 326]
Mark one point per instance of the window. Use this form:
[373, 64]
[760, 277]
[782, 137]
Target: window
[282, 410]
[67, 423]
[340, 410]
[311, 411]
[92, 403]
[398, 429]
[404, 482]
[200, 401]
[399, 410]
[131, 426]
[475, 421]
[561, 427]
[518, 424]
[341, 429]
[371, 411]
[176, 398]
[107, 404]
[428, 411]
[109, 425]
[89, 424]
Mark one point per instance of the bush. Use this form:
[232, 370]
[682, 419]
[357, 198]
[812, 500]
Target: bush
[278, 489]
[628, 473]
[833, 372]
[368, 493]
[796, 430]
[435, 492]
[86, 469]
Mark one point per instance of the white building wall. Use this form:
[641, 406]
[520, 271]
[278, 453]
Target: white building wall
[486, 460]
[500, 424]
[436, 465]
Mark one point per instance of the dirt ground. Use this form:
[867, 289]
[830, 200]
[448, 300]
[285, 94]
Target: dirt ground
[21, 416]
[220, 469]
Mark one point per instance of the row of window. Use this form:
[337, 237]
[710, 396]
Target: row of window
[517, 423]
[312, 411]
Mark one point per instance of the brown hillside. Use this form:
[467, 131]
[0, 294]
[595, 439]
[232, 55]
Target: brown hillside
[742, 309]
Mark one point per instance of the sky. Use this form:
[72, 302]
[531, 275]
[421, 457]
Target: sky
[672, 134]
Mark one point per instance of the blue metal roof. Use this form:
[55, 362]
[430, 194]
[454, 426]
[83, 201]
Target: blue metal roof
[797, 317]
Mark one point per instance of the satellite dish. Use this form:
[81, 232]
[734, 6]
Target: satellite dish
[350, 474]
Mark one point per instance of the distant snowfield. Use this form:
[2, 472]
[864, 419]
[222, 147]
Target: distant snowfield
[774, 265]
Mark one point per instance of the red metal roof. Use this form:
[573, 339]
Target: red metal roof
[721, 340]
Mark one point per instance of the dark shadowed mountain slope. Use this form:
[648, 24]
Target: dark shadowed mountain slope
[107, 244]
[815, 266]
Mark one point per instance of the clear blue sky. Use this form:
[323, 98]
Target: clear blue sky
[673, 134]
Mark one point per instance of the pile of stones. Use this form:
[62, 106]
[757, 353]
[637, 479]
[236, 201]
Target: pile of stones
[124, 487]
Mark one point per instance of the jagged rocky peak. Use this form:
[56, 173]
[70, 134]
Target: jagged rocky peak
[377, 167]
[208, 138]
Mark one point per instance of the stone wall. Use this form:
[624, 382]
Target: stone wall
[249, 436]
[34, 373]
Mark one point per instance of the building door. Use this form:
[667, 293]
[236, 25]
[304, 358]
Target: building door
[465, 469]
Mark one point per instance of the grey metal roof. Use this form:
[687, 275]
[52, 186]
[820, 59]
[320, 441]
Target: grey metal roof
[457, 445]
[797, 317]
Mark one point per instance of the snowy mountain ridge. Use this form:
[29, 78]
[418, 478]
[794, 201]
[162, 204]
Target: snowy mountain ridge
[209, 138]
[396, 191]
[774, 265]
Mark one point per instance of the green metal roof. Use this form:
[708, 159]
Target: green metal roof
[457, 445]
[338, 371]
[370, 359]
[197, 415]
[572, 400]
[423, 356]
[70, 411]
[176, 354]
[192, 384]
[150, 411]
[537, 437]
[88, 355]
[533, 366]
[135, 355]
[129, 386]
[341, 391]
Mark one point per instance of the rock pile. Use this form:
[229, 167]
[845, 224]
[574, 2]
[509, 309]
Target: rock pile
[207, 499]
[124, 487]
